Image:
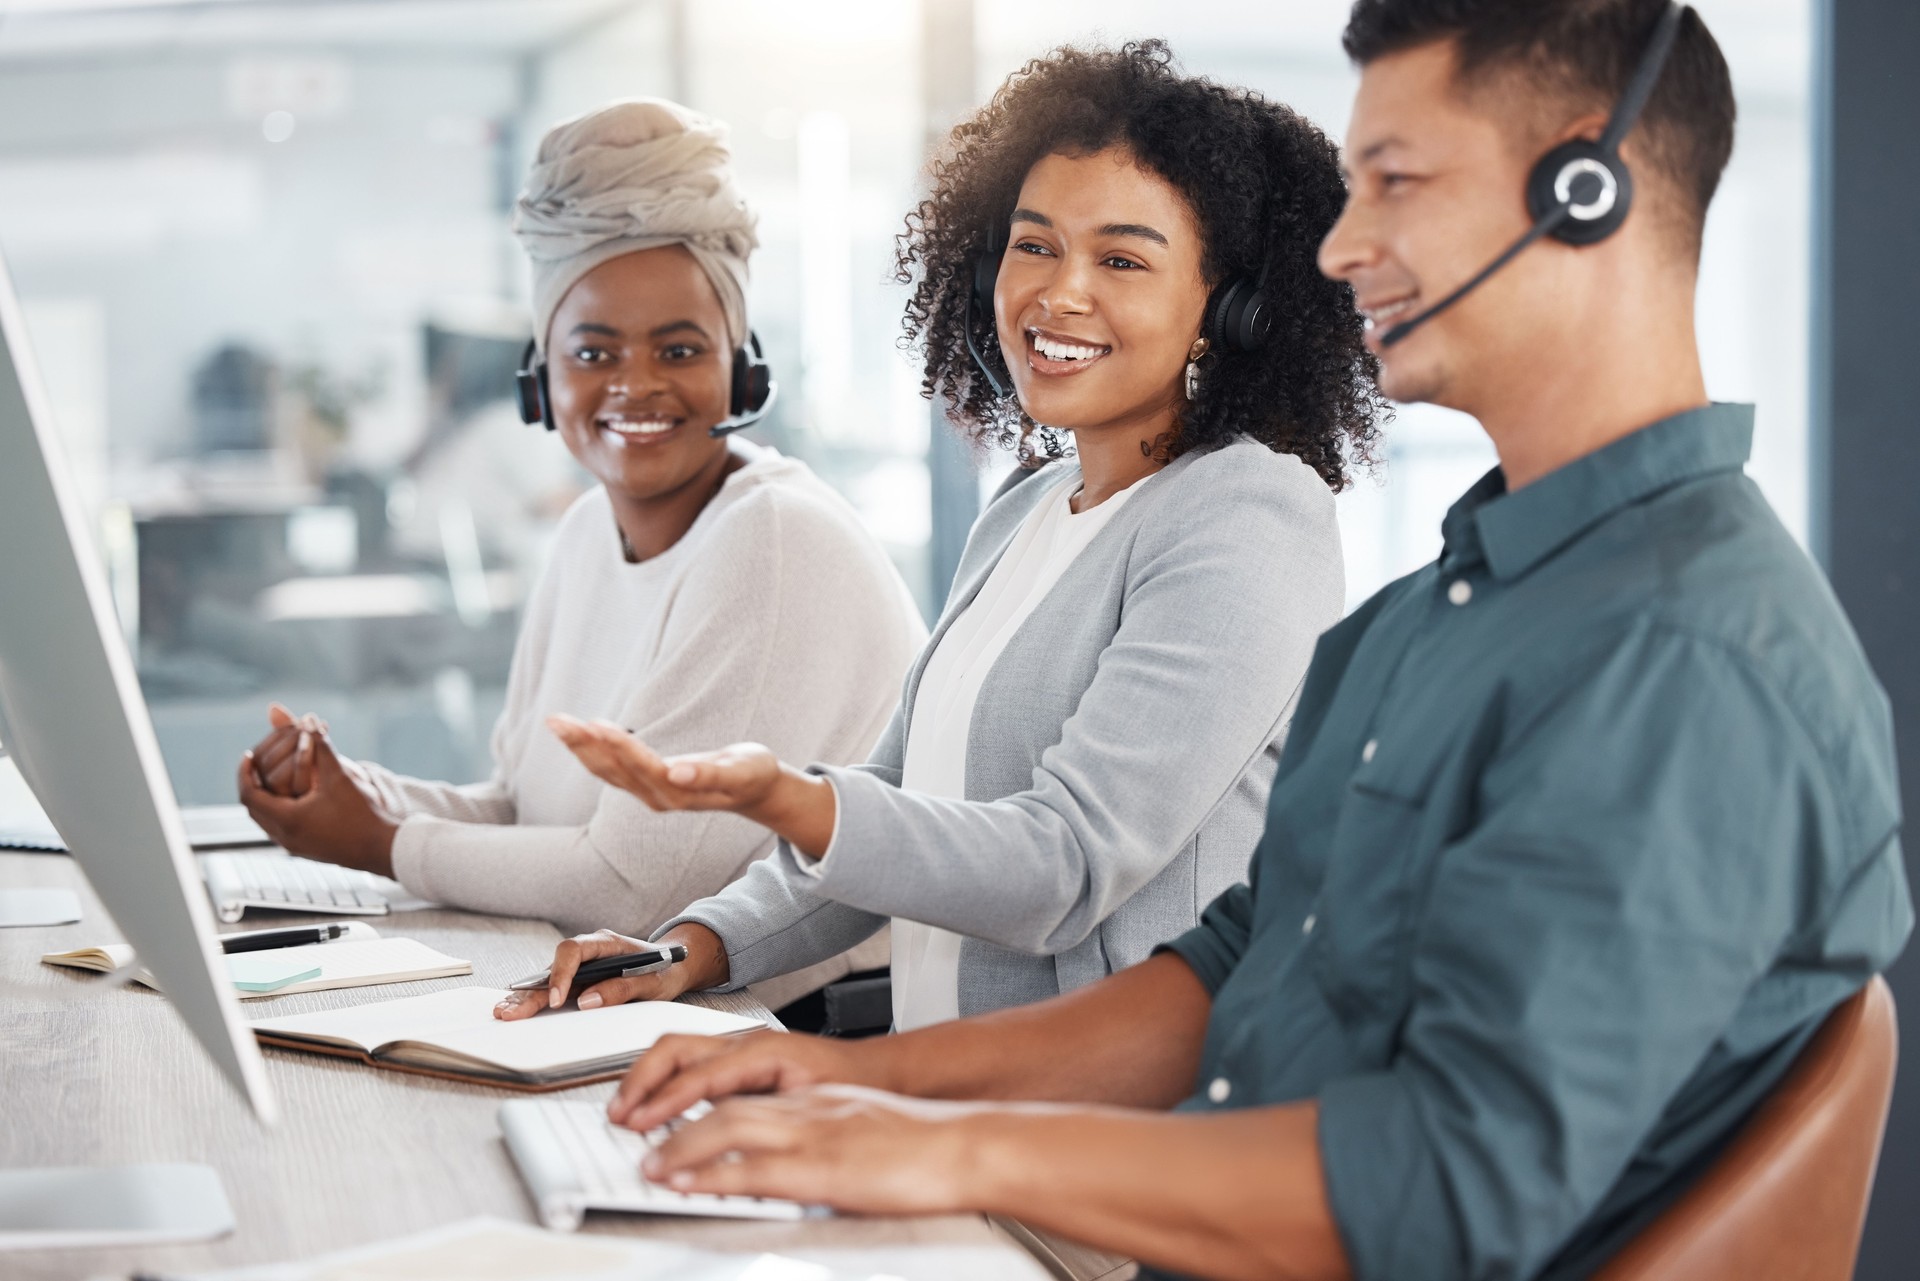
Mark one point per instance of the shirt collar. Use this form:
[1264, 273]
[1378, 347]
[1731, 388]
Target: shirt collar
[1513, 532]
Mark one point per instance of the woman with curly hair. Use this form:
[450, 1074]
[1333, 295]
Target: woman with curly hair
[1122, 255]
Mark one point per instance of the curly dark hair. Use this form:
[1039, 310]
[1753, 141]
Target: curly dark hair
[1265, 188]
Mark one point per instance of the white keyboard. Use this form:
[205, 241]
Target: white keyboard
[278, 881]
[574, 1160]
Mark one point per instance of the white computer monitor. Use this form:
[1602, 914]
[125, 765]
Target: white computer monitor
[73, 719]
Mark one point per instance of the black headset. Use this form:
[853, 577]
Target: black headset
[1239, 314]
[1580, 191]
[751, 397]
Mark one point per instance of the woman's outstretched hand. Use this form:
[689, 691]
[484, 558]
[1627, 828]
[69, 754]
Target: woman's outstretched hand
[734, 778]
[745, 779]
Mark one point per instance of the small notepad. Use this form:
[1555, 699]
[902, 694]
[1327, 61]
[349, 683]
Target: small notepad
[363, 959]
[270, 971]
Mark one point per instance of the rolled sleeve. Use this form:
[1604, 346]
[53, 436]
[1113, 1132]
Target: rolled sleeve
[1213, 947]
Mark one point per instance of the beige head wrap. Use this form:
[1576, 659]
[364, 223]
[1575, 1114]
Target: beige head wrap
[634, 175]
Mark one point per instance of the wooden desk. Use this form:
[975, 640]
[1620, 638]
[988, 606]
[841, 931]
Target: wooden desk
[91, 1076]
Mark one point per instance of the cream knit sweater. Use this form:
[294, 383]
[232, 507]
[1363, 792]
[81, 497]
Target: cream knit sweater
[776, 619]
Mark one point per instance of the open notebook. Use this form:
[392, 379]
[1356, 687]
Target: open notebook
[454, 1034]
[362, 959]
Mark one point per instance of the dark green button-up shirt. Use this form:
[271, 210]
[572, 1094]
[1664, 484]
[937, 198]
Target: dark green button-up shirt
[1578, 834]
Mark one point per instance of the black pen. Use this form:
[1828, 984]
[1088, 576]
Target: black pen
[598, 970]
[261, 940]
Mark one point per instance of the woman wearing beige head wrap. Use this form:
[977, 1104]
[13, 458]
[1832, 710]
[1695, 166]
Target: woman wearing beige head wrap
[632, 176]
[708, 590]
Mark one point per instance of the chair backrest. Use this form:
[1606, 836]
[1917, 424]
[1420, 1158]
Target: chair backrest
[1788, 1197]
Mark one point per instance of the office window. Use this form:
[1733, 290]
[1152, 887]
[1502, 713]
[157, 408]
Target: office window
[264, 256]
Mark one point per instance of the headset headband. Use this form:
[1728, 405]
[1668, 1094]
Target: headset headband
[1645, 77]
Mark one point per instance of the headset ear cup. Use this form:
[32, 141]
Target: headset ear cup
[530, 389]
[526, 396]
[751, 385]
[1238, 317]
[1583, 164]
[739, 388]
[1214, 329]
[1253, 323]
[986, 268]
[983, 280]
[986, 274]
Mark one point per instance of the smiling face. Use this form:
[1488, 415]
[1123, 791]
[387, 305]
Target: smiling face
[1100, 295]
[1436, 182]
[638, 369]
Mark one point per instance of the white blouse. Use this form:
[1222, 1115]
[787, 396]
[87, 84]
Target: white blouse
[926, 960]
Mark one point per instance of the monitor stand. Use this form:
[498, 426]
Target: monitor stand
[53, 1208]
[111, 1205]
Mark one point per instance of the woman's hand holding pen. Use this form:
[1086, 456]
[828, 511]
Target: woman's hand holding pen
[705, 966]
[744, 779]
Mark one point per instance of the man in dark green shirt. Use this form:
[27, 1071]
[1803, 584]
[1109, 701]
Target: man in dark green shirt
[1580, 831]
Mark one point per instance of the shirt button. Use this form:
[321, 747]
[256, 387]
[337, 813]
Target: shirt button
[1218, 1091]
[1306, 926]
[1461, 592]
[1366, 753]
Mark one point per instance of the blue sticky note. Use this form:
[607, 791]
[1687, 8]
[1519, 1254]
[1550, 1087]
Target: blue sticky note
[265, 972]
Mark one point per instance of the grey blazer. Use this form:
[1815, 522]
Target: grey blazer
[1119, 755]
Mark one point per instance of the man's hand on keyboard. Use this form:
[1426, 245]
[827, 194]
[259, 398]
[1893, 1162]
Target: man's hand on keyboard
[329, 817]
[680, 1071]
[845, 1146]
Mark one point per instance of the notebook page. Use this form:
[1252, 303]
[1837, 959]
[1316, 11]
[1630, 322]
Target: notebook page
[394, 960]
[412, 1018]
[550, 1041]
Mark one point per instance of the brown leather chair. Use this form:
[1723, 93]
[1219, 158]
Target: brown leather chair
[1788, 1198]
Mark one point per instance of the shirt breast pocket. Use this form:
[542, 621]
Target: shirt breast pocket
[1358, 936]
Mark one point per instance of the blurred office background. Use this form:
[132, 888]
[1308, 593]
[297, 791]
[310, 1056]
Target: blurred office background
[263, 251]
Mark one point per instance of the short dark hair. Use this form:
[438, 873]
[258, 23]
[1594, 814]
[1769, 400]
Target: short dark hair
[1583, 52]
[1264, 185]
